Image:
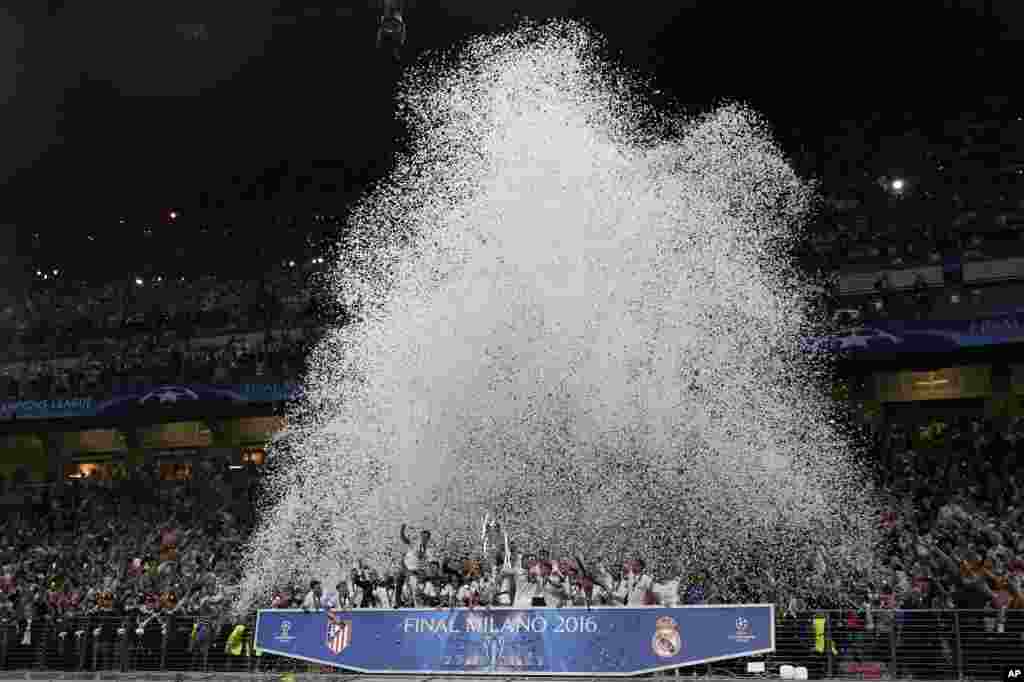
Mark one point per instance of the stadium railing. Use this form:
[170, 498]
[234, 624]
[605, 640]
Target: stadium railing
[893, 644]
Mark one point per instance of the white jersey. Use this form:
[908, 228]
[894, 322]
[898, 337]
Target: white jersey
[634, 588]
[337, 600]
[555, 591]
[505, 591]
[667, 594]
[526, 590]
[466, 592]
[430, 590]
[415, 560]
[311, 602]
[382, 597]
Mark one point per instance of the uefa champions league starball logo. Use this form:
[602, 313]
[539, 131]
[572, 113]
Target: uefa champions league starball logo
[167, 395]
[284, 635]
[743, 633]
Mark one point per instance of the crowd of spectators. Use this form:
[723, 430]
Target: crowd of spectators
[912, 232]
[948, 191]
[151, 360]
[957, 198]
[65, 338]
[956, 502]
[131, 559]
[148, 566]
[72, 341]
[137, 561]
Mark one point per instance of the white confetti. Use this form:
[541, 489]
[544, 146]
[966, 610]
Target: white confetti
[577, 315]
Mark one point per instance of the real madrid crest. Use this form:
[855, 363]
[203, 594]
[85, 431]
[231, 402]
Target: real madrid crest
[666, 642]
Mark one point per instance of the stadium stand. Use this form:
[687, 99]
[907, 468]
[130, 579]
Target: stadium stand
[127, 563]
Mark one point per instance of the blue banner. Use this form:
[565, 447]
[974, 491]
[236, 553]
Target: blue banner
[598, 641]
[891, 336]
[926, 336]
[148, 400]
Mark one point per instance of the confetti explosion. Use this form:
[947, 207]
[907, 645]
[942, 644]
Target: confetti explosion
[584, 328]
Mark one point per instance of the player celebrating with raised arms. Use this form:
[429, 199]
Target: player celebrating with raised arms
[416, 560]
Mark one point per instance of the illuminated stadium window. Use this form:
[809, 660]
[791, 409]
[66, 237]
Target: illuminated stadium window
[256, 456]
[95, 470]
[175, 471]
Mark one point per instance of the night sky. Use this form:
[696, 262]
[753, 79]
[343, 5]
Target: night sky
[109, 108]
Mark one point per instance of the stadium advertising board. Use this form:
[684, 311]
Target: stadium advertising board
[925, 336]
[949, 383]
[147, 401]
[502, 641]
[889, 336]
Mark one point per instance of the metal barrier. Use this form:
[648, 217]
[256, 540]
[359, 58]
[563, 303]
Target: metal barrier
[899, 644]
[891, 644]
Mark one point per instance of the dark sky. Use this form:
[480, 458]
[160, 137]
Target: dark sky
[108, 108]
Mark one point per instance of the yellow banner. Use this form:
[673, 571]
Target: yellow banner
[176, 435]
[948, 383]
[95, 440]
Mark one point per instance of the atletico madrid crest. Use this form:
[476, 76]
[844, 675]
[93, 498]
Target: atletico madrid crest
[339, 633]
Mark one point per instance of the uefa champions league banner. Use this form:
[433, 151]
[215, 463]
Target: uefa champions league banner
[147, 401]
[503, 641]
[926, 336]
[889, 336]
